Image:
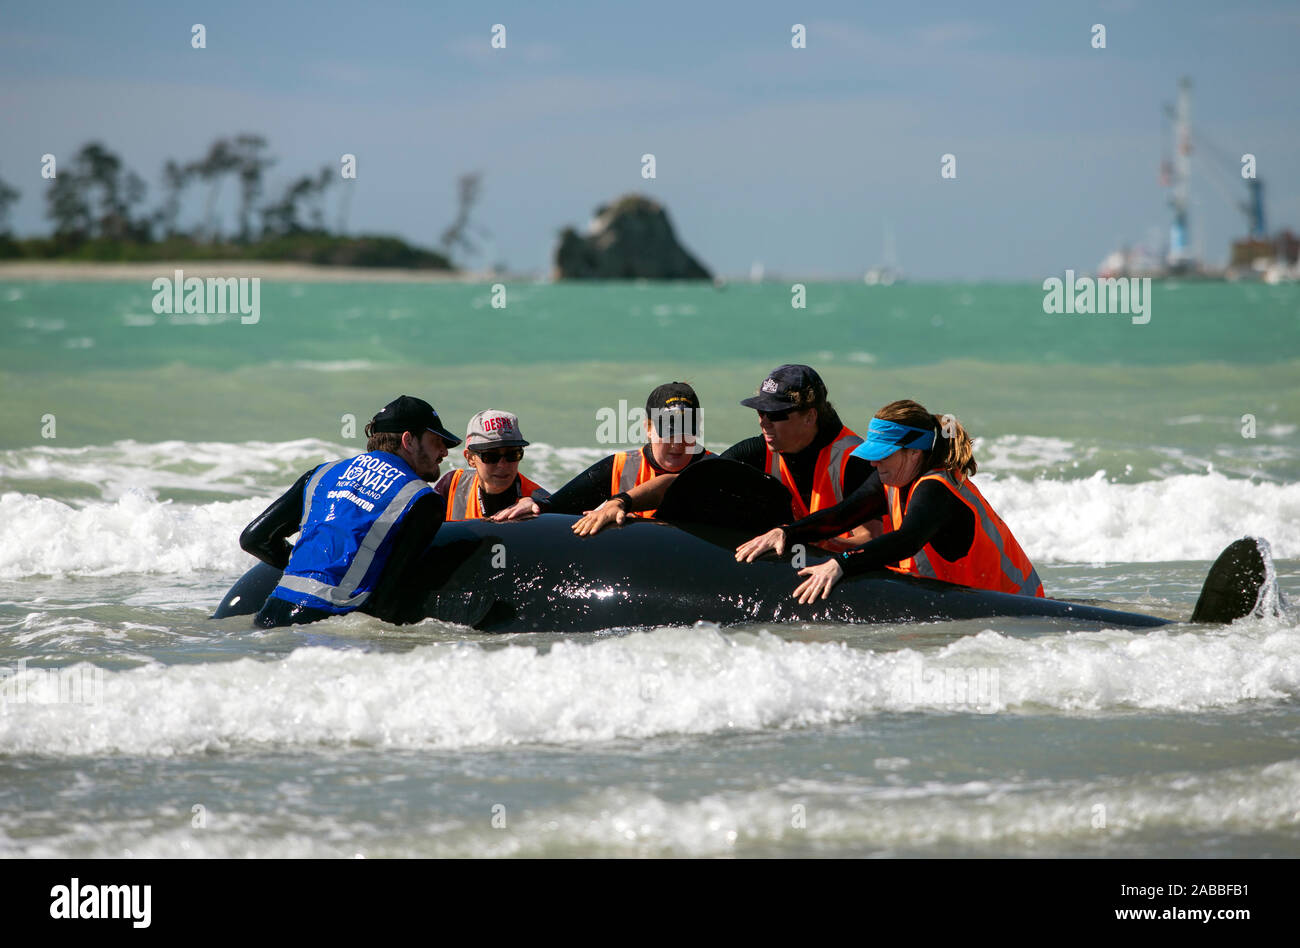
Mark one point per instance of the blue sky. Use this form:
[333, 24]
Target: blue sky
[795, 157]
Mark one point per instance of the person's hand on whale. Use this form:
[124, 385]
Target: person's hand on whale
[525, 508]
[751, 550]
[820, 580]
[593, 521]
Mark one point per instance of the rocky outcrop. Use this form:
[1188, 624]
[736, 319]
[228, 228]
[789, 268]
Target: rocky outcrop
[629, 239]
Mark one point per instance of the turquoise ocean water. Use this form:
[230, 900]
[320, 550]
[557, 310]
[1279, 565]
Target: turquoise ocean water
[135, 446]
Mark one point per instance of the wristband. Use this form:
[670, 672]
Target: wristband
[627, 501]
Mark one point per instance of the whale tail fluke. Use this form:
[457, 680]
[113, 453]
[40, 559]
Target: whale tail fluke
[1242, 582]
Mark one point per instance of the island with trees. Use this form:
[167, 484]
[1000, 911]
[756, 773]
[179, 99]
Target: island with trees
[100, 216]
[98, 209]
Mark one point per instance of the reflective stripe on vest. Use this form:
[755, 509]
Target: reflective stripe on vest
[459, 493]
[347, 592]
[464, 502]
[625, 476]
[1012, 572]
[913, 564]
[311, 491]
[828, 475]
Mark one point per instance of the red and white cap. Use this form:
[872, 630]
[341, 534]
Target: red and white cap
[494, 429]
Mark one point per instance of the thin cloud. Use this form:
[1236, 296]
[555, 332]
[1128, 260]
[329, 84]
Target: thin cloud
[348, 73]
[955, 33]
[479, 49]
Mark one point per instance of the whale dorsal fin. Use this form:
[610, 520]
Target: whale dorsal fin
[1241, 582]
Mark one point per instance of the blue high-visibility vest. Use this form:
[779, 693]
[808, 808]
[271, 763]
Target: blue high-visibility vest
[350, 514]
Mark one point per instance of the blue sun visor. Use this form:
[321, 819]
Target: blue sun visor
[886, 437]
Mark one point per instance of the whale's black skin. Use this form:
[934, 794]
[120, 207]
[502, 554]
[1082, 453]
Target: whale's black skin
[537, 576]
[1239, 584]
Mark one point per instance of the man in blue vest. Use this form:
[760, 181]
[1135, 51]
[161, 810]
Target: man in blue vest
[363, 522]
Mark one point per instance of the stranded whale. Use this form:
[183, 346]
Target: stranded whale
[537, 576]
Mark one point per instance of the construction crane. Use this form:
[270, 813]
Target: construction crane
[1250, 253]
[1177, 176]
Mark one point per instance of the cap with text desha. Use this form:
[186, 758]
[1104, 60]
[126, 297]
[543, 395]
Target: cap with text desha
[408, 413]
[787, 387]
[494, 429]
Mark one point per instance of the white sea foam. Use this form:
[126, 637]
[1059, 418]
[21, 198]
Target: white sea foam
[252, 468]
[1028, 452]
[670, 681]
[134, 531]
[240, 470]
[337, 365]
[129, 529]
[977, 814]
[135, 534]
[1099, 816]
[1182, 517]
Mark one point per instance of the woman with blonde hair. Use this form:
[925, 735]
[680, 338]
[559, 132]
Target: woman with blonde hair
[936, 523]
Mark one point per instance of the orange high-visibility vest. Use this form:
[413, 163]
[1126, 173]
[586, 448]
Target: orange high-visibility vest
[828, 475]
[995, 560]
[631, 468]
[627, 475]
[463, 500]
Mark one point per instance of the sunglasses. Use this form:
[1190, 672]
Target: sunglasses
[669, 427]
[509, 455]
[782, 415]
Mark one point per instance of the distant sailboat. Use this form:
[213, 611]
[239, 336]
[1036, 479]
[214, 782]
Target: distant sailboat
[889, 272]
[756, 272]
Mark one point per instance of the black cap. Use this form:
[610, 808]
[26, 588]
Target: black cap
[672, 401]
[786, 387]
[672, 396]
[408, 413]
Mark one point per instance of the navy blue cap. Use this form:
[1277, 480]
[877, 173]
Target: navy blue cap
[782, 388]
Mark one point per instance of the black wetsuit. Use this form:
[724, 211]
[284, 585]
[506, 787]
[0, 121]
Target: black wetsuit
[591, 488]
[935, 515]
[267, 539]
